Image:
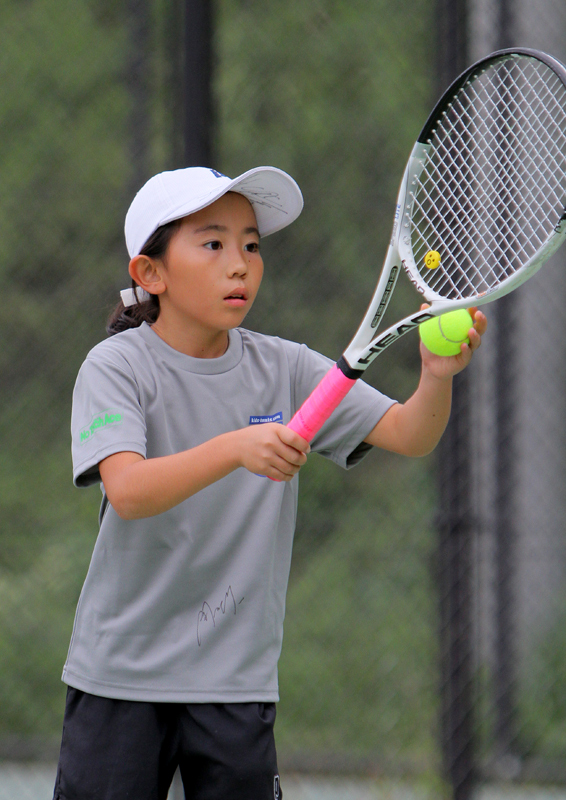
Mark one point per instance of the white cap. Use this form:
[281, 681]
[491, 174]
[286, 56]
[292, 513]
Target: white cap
[275, 197]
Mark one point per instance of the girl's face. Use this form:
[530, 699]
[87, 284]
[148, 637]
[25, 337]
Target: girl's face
[212, 273]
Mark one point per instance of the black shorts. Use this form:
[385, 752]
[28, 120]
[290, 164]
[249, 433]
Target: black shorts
[117, 749]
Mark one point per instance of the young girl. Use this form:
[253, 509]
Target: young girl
[173, 656]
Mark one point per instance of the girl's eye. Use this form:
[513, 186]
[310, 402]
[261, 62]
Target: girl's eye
[252, 247]
[214, 245]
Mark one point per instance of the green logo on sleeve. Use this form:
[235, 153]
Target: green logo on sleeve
[102, 420]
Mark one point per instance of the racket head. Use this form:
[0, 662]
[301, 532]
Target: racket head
[485, 186]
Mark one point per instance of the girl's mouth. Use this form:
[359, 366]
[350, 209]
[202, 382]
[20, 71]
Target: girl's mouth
[237, 298]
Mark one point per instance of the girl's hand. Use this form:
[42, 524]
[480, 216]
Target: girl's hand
[272, 449]
[445, 367]
[138, 487]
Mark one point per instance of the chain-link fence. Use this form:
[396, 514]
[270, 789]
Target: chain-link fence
[519, 503]
[335, 93]
[512, 570]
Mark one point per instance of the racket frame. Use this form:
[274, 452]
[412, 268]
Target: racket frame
[366, 345]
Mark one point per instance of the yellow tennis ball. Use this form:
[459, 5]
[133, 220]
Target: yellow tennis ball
[443, 335]
[432, 259]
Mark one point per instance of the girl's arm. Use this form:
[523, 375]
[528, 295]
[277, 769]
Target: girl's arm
[415, 428]
[138, 487]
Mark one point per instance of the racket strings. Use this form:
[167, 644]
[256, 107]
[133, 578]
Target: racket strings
[458, 239]
[540, 158]
[455, 239]
[492, 188]
[501, 191]
[470, 221]
[546, 142]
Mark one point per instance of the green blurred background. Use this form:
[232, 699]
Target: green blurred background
[335, 93]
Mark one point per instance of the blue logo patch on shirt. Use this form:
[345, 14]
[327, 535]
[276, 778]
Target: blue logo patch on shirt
[261, 419]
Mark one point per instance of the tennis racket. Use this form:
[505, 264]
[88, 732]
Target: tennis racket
[485, 189]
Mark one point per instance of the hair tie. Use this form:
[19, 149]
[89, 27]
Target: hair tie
[130, 297]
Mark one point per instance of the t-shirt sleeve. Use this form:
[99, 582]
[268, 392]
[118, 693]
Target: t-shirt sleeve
[107, 416]
[341, 438]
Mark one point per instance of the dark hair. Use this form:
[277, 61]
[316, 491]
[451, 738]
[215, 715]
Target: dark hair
[125, 317]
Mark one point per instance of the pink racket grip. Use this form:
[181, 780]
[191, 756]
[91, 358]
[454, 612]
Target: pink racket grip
[316, 409]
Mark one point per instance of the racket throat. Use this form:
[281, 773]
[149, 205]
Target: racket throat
[388, 336]
[388, 291]
[399, 251]
[350, 372]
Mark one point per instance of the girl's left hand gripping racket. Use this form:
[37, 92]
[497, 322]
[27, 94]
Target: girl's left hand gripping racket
[485, 187]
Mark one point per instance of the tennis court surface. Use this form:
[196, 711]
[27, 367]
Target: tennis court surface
[23, 782]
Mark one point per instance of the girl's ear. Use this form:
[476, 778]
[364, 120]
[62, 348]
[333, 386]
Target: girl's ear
[148, 274]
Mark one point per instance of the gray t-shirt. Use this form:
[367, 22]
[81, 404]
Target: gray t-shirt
[188, 606]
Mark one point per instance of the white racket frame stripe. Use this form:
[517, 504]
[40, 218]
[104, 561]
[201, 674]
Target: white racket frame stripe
[366, 346]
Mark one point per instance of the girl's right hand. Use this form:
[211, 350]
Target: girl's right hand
[273, 450]
[139, 487]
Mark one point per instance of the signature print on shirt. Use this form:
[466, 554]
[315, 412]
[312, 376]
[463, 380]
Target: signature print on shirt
[208, 615]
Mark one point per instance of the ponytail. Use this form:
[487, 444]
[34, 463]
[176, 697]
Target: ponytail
[125, 317]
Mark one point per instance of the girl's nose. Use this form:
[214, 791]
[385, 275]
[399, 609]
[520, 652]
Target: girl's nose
[238, 263]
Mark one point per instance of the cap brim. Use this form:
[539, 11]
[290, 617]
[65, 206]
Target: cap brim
[275, 198]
